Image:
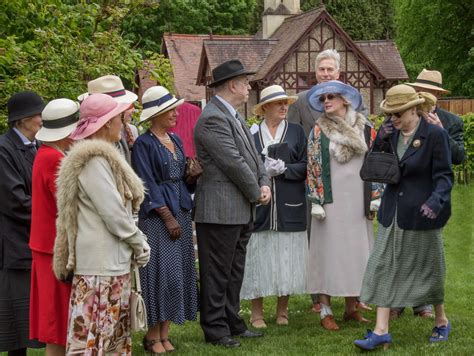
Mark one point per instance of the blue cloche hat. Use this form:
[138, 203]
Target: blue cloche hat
[333, 87]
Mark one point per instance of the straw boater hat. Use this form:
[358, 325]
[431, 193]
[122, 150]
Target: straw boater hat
[60, 118]
[110, 85]
[157, 100]
[95, 111]
[350, 94]
[228, 70]
[429, 79]
[400, 98]
[271, 94]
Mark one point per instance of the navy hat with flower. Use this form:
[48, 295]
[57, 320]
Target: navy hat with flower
[333, 87]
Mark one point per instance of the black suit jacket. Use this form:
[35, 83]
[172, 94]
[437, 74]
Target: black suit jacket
[454, 126]
[426, 177]
[16, 165]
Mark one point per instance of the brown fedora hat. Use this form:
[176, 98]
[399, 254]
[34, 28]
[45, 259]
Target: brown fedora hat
[429, 79]
[228, 70]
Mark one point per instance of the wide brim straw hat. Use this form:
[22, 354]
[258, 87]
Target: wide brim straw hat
[350, 94]
[228, 70]
[110, 85]
[60, 118]
[429, 79]
[271, 94]
[156, 101]
[95, 111]
[400, 98]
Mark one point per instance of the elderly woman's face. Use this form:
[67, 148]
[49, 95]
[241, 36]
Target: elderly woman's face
[276, 110]
[333, 103]
[404, 119]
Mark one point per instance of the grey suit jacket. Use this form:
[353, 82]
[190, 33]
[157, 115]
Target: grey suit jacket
[233, 172]
[301, 113]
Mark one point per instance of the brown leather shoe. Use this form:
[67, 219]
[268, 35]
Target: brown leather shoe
[356, 316]
[329, 323]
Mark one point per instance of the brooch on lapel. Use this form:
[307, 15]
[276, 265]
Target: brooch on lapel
[416, 143]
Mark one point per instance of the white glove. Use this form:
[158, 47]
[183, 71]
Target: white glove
[143, 258]
[374, 205]
[274, 167]
[318, 211]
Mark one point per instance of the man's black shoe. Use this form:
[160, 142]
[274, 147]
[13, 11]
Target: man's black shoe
[226, 341]
[249, 333]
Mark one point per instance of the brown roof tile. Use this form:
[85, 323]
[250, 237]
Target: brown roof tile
[251, 52]
[385, 56]
[184, 52]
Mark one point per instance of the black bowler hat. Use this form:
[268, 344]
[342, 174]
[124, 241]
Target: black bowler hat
[24, 104]
[228, 70]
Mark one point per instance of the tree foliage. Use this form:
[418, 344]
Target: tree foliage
[438, 34]
[361, 19]
[145, 27]
[54, 47]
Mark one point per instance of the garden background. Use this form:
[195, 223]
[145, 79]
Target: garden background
[54, 47]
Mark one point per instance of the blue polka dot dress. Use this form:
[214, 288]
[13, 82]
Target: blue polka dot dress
[169, 280]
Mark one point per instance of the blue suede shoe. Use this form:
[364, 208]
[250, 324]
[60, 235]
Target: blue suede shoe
[372, 341]
[440, 333]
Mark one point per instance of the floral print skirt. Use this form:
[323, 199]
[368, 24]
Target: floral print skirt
[99, 316]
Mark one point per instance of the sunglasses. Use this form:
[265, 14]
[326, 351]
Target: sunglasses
[323, 98]
[398, 114]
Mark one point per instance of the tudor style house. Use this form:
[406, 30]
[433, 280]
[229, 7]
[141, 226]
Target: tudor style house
[284, 53]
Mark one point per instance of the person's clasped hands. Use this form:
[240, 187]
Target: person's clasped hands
[274, 167]
[265, 195]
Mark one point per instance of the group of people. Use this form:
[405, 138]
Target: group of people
[70, 238]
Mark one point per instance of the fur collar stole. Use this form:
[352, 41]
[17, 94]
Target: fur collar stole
[346, 135]
[129, 186]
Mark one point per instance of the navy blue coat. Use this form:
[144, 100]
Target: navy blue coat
[288, 189]
[426, 177]
[16, 166]
[150, 161]
[454, 126]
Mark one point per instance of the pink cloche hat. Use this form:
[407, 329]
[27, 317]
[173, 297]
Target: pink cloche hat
[94, 113]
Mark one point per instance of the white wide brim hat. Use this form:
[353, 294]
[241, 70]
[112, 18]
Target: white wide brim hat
[157, 100]
[271, 94]
[112, 86]
[60, 117]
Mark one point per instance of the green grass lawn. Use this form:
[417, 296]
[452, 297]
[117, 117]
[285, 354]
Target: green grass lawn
[304, 335]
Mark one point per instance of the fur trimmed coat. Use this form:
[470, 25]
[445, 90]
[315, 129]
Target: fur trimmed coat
[340, 138]
[96, 193]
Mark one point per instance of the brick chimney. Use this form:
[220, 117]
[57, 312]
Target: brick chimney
[275, 12]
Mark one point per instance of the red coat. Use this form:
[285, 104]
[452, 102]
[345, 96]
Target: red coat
[44, 210]
[188, 115]
[49, 298]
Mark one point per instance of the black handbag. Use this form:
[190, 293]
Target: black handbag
[381, 167]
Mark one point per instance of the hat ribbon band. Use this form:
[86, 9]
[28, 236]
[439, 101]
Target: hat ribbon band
[116, 93]
[271, 96]
[62, 122]
[424, 81]
[84, 123]
[157, 102]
